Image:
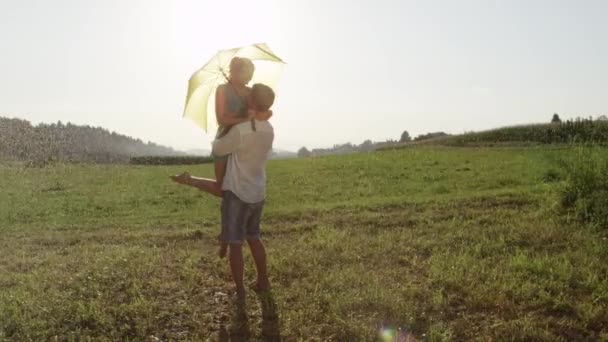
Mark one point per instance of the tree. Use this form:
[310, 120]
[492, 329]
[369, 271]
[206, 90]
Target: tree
[602, 118]
[405, 137]
[304, 153]
[556, 119]
[367, 146]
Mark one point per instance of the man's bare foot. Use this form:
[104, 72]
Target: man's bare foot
[183, 178]
[223, 247]
[260, 286]
[240, 295]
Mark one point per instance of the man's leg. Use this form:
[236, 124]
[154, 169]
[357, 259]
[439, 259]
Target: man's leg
[257, 247]
[259, 256]
[234, 217]
[237, 267]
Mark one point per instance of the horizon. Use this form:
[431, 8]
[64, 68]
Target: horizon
[471, 66]
[600, 117]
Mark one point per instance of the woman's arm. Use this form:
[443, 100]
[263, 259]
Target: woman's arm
[223, 116]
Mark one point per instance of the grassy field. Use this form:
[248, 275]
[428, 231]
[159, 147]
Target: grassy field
[448, 243]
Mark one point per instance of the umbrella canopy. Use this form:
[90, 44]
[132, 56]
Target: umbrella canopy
[200, 101]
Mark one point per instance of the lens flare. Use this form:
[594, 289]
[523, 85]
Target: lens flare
[387, 335]
[395, 335]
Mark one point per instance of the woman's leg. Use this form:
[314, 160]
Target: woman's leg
[203, 184]
[212, 186]
[207, 185]
[220, 172]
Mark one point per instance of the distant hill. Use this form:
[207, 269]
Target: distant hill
[44, 143]
[347, 148]
[199, 152]
[278, 153]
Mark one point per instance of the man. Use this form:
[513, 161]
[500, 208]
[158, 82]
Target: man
[249, 145]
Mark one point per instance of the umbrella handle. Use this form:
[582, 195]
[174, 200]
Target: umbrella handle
[224, 74]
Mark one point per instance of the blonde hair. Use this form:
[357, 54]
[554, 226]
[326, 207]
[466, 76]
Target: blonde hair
[240, 63]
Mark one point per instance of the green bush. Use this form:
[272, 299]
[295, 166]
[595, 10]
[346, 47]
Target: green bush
[585, 190]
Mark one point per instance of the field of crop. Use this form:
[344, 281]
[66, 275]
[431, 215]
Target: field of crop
[582, 131]
[447, 243]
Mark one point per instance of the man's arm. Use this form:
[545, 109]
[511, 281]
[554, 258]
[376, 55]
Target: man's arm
[227, 144]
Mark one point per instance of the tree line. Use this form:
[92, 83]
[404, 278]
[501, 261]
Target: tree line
[44, 143]
[558, 131]
[366, 146]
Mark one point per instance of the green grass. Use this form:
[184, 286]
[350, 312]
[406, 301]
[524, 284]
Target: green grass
[452, 244]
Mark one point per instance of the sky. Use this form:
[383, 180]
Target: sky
[356, 70]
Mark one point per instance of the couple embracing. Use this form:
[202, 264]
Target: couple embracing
[241, 148]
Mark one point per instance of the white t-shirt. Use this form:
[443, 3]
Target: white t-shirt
[249, 150]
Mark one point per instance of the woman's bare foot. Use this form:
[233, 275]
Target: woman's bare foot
[223, 250]
[223, 247]
[183, 178]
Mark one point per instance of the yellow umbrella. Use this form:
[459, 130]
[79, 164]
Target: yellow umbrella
[200, 101]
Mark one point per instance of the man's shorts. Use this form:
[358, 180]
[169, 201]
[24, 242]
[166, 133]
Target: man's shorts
[240, 220]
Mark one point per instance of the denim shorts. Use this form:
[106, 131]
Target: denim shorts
[240, 220]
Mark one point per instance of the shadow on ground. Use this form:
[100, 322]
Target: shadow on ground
[239, 328]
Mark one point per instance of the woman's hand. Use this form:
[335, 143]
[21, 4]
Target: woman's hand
[183, 178]
[263, 116]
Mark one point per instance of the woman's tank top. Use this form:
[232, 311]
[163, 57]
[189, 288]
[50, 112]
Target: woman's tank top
[236, 104]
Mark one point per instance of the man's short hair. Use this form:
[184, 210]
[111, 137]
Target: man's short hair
[262, 96]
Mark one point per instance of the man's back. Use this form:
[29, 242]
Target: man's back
[250, 149]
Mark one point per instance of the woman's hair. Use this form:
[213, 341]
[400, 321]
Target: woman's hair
[238, 64]
[262, 96]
